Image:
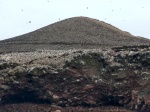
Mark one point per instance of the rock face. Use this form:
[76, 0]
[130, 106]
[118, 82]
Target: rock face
[87, 78]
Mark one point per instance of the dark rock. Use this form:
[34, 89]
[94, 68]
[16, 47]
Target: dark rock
[88, 79]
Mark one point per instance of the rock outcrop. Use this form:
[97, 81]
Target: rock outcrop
[86, 78]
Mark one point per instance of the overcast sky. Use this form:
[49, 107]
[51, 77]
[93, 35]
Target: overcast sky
[18, 17]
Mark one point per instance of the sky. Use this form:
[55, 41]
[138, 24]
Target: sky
[18, 17]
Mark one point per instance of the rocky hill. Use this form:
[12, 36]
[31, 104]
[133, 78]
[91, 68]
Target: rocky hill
[75, 65]
[72, 33]
[76, 80]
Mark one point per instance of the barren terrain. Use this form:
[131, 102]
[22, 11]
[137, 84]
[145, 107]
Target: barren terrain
[72, 33]
[75, 65]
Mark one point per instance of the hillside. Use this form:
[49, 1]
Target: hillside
[75, 65]
[72, 33]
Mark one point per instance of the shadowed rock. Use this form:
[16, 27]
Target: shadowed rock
[84, 78]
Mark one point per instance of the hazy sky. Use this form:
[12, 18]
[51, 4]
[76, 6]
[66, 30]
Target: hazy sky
[21, 16]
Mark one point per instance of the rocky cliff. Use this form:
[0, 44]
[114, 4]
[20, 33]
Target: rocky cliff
[78, 78]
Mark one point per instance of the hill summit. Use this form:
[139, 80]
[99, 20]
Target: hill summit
[72, 33]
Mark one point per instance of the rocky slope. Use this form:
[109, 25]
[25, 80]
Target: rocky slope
[72, 33]
[77, 79]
